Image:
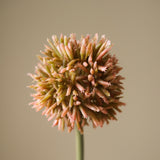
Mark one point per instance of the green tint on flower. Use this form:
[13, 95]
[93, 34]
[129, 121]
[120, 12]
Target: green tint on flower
[77, 81]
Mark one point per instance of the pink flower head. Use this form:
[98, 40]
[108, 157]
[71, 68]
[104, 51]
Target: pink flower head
[77, 82]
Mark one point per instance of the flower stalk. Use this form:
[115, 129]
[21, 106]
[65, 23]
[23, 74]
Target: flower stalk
[79, 145]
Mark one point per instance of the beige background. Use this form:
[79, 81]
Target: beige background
[134, 28]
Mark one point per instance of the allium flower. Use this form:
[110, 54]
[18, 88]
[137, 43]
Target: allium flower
[77, 81]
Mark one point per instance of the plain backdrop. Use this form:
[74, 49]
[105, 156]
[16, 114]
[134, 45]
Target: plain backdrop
[132, 26]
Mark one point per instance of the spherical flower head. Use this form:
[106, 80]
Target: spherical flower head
[77, 82]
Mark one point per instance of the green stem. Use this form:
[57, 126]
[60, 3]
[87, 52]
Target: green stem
[79, 145]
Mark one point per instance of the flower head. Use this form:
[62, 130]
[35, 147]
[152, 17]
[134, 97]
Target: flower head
[77, 82]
